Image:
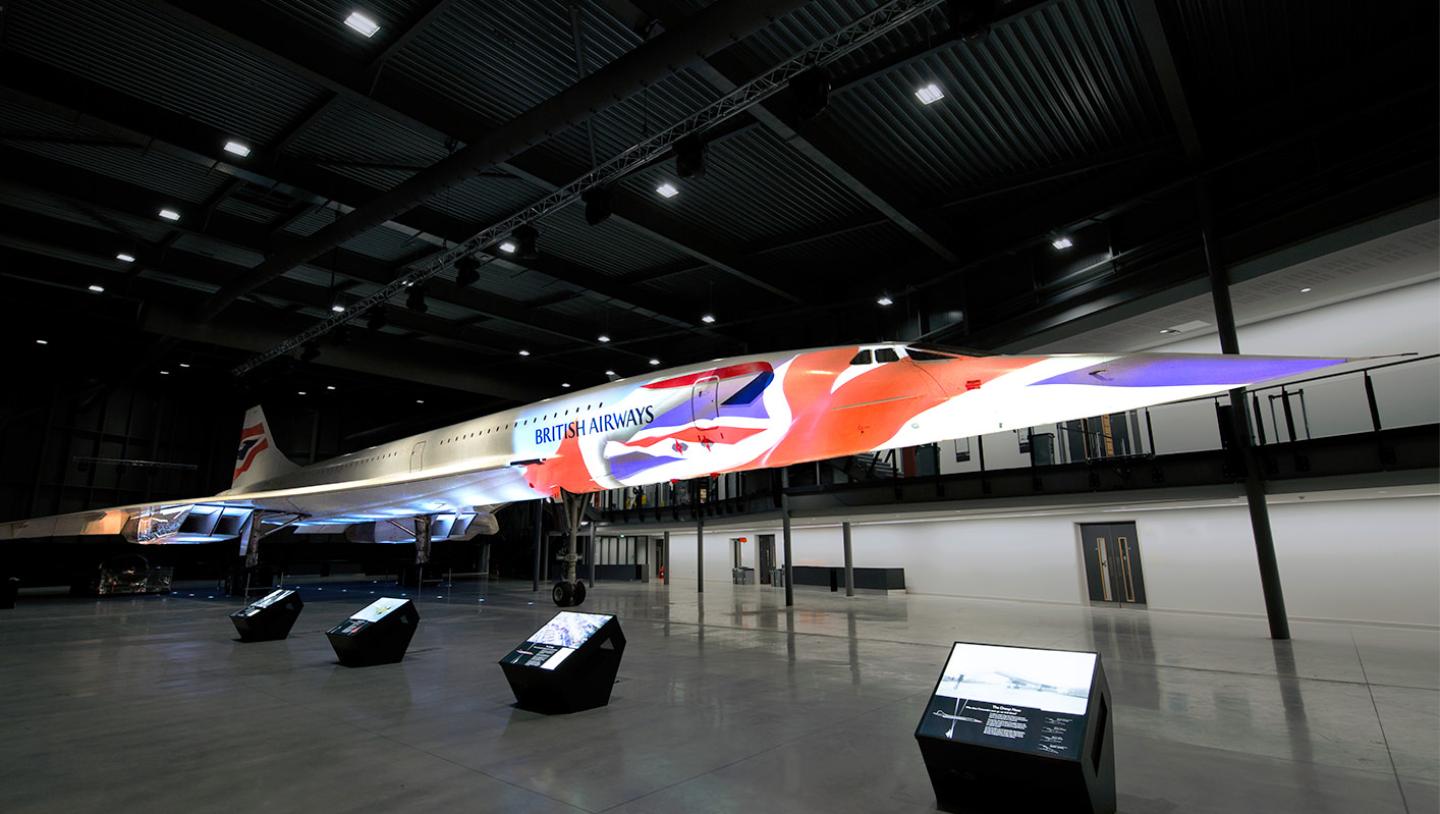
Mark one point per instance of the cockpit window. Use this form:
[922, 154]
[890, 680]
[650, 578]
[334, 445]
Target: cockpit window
[886, 355]
[861, 358]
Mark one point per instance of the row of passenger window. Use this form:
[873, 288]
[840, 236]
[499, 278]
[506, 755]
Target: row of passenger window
[557, 414]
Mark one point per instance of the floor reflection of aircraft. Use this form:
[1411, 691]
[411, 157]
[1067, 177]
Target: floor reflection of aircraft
[956, 717]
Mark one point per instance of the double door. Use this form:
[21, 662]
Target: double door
[1112, 563]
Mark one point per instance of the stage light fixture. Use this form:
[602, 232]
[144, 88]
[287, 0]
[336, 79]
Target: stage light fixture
[526, 238]
[811, 93]
[170, 214]
[508, 246]
[654, 362]
[602, 338]
[415, 299]
[565, 385]
[597, 204]
[929, 94]
[42, 341]
[708, 319]
[667, 190]
[690, 156]
[884, 300]
[467, 271]
[98, 289]
[524, 353]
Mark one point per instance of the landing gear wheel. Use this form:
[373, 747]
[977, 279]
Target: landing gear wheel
[578, 593]
[562, 595]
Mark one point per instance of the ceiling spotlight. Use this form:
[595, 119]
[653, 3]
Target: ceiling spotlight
[708, 319]
[884, 300]
[610, 373]
[301, 393]
[690, 156]
[125, 257]
[329, 387]
[930, 94]
[1062, 243]
[42, 341]
[359, 22]
[98, 289]
[667, 190]
[565, 385]
[654, 362]
[164, 373]
[524, 353]
[337, 308]
[467, 270]
[419, 401]
[415, 300]
[169, 214]
[508, 247]
[237, 148]
[597, 204]
[185, 364]
[1305, 291]
[1168, 331]
[526, 236]
[602, 338]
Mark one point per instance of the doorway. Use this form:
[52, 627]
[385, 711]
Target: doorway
[767, 558]
[1112, 563]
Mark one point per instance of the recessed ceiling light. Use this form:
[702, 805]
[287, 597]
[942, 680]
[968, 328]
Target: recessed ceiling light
[654, 362]
[185, 364]
[164, 373]
[930, 94]
[1304, 291]
[524, 353]
[98, 289]
[329, 387]
[565, 385]
[169, 214]
[300, 393]
[708, 319]
[667, 190]
[1167, 331]
[237, 148]
[508, 247]
[884, 300]
[1062, 243]
[419, 401]
[337, 308]
[366, 26]
[602, 338]
[609, 373]
[125, 257]
[42, 341]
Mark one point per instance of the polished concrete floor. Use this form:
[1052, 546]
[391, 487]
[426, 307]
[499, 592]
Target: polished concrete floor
[725, 703]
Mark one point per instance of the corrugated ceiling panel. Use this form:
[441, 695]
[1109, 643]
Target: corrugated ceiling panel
[611, 248]
[1041, 89]
[248, 210]
[754, 187]
[182, 180]
[349, 132]
[42, 203]
[385, 244]
[137, 49]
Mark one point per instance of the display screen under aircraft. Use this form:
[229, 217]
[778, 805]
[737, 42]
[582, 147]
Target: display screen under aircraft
[727, 415]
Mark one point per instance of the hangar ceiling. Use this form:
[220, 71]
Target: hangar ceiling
[1087, 119]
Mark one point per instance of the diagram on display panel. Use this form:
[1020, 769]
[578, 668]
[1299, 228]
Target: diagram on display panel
[959, 708]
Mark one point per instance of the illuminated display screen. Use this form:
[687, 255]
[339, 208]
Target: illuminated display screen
[271, 598]
[569, 629]
[1012, 697]
[378, 609]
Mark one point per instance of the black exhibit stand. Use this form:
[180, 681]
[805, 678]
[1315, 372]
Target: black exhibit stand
[269, 618]
[568, 665]
[379, 633]
[1020, 729]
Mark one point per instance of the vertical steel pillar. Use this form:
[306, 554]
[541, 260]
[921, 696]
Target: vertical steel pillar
[537, 520]
[1254, 483]
[699, 542]
[665, 559]
[849, 561]
[785, 533]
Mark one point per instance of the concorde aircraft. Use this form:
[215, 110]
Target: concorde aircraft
[726, 415]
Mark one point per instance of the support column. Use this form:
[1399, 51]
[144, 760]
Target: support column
[422, 549]
[785, 535]
[849, 561]
[537, 520]
[699, 543]
[250, 549]
[665, 558]
[1254, 482]
[590, 550]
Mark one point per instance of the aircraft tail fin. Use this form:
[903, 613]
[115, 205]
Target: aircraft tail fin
[257, 458]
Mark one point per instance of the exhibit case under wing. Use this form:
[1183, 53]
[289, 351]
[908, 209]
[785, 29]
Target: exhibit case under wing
[378, 633]
[568, 665]
[1019, 728]
[270, 617]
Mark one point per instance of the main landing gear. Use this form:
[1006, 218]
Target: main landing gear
[570, 591]
[568, 594]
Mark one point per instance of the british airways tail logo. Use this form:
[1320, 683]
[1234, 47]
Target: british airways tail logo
[252, 443]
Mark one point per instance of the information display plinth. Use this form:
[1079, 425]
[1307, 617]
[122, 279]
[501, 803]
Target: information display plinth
[1019, 729]
[379, 633]
[568, 665]
[270, 618]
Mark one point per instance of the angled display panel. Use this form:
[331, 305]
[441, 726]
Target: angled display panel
[567, 665]
[268, 618]
[379, 633]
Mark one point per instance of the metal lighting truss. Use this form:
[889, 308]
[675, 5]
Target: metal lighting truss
[848, 39]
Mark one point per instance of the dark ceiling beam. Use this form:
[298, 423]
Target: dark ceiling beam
[1162, 59]
[726, 71]
[707, 31]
